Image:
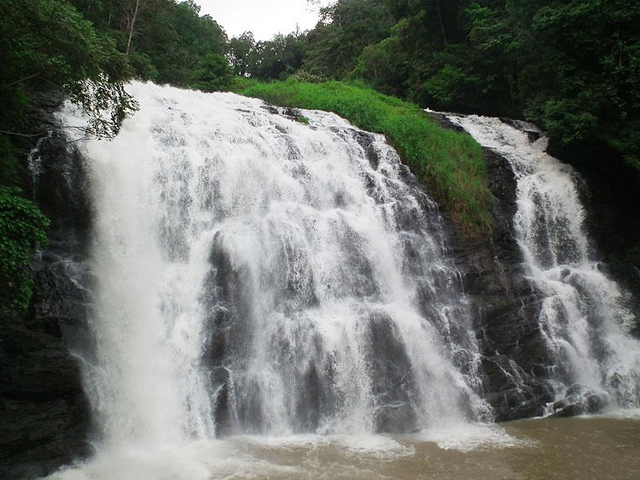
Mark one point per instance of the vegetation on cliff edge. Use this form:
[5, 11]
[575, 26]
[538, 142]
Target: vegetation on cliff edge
[449, 163]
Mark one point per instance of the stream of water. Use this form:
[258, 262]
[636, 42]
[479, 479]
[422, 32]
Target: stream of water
[584, 317]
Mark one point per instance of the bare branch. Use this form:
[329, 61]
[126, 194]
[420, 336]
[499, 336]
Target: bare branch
[26, 135]
[20, 80]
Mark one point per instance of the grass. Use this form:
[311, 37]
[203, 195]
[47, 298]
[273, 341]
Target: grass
[448, 163]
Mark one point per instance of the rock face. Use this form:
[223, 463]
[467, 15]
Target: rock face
[579, 400]
[44, 413]
[43, 410]
[507, 306]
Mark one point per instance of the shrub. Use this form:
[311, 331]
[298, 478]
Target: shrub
[22, 230]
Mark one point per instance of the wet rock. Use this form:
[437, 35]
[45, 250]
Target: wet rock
[506, 305]
[531, 130]
[397, 417]
[44, 413]
[220, 378]
[392, 380]
[60, 186]
[310, 401]
[366, 140]
[288, 112]
[579, 400]
[511, 392]
[37, 437]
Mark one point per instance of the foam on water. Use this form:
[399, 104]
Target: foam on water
[466, 438]
[365, 445]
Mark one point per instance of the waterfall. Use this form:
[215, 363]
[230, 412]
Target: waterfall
[254, 274]
[584, 318]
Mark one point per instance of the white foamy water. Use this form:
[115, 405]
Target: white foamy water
[253, 275]
[584, 318]
[467, 438]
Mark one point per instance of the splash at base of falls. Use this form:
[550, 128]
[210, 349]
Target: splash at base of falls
[296, 457]
[553, 449]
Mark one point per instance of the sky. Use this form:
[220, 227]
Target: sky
[264, 18]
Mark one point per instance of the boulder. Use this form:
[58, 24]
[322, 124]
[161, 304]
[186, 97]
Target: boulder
[579, 400]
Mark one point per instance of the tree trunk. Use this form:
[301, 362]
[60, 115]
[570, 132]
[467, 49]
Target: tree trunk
[444, 34]
[132, 26]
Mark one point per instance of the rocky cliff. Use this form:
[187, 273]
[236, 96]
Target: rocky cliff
[44, 413]
[515, 360]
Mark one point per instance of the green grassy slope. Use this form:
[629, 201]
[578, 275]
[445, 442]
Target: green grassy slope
[449, 163]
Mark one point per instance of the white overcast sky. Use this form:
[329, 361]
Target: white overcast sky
[264, 18]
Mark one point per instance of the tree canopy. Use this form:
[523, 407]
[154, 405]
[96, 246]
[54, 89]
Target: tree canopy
[165, 41]
[572, 66]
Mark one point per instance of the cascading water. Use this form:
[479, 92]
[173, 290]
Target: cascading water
[254, 274]
[583, 318]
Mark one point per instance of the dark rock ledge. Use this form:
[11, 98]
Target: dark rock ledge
[44, 413]
[506, 305]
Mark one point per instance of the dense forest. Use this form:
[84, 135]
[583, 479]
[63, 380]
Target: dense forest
[572, 66]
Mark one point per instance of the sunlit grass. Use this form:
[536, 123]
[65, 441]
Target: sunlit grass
[447, 162]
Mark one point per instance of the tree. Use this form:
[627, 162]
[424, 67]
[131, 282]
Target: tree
[213, 73]
[592, 49]
[132, 15]
[278, 58]
[49, 45]
[384, 66]
[163, 39]
[174, 39]
[241, 51]
[345, 29]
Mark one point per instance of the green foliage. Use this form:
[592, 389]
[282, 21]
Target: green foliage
[213, 74]
[328, 51]
[9, 163]
[241, 54]
[572, 66]
[347, 27]
[383, 66]
[49, 44]
[448, 162]
[176, 39]
[274, 59]
[22, 230]
[165, 41]
[278, 58]
[588, 89]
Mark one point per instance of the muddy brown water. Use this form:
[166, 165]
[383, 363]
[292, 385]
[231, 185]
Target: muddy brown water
[543, 449]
